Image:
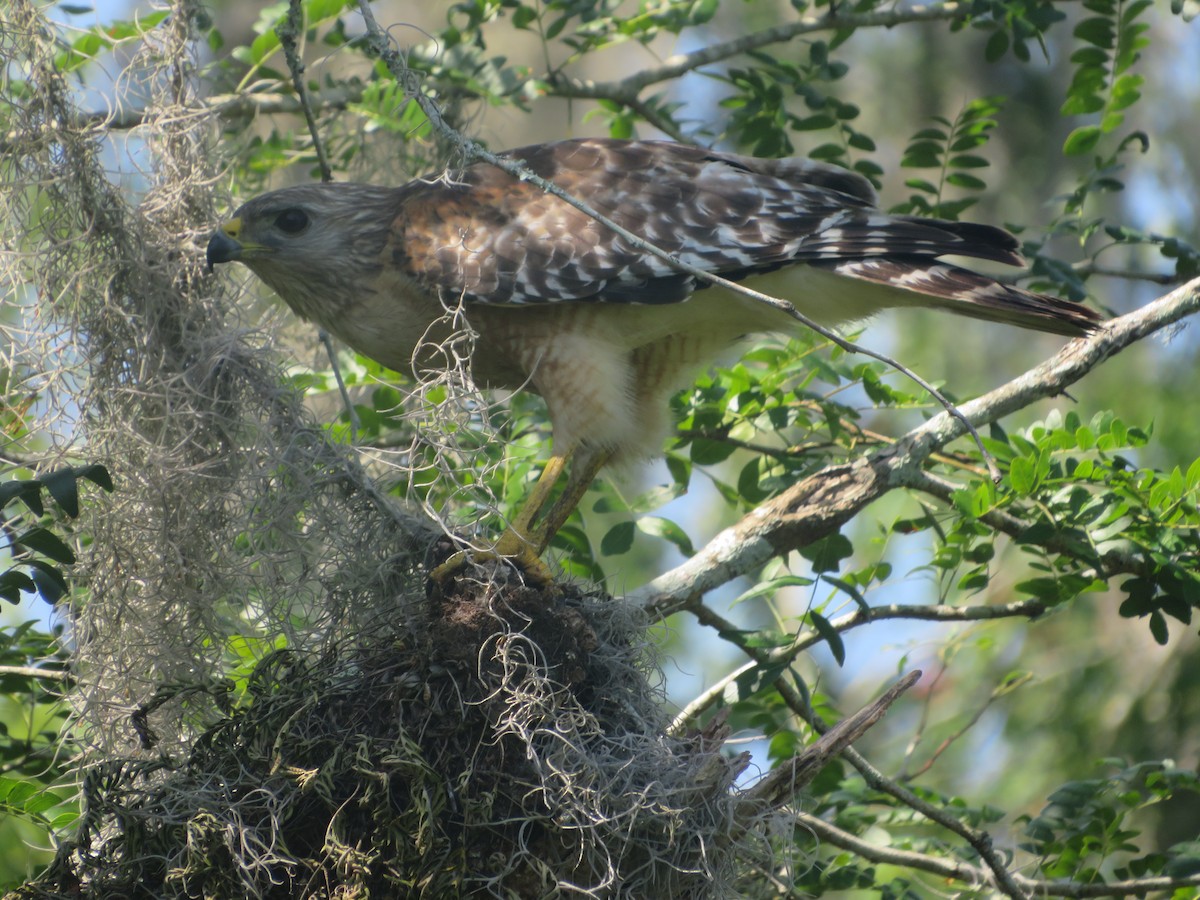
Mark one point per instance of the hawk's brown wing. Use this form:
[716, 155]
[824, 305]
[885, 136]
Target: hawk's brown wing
[484, 235]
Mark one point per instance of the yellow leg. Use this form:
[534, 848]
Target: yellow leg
[540, 494]
[522, 541]
[518, 542]
[583, 472]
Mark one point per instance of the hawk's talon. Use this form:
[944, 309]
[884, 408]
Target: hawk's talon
[511, 548]
[446, 569]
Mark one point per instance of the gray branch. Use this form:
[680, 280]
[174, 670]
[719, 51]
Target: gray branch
[820, 504]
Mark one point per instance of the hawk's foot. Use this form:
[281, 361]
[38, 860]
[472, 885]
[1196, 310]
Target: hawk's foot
[511, 548]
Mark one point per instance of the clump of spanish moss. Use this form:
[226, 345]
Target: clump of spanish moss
[267, 701]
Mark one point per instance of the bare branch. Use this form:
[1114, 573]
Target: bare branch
[946, 867]
[34, 672]
[1009, 684]
[779, 786]
[805, 639]
[1088, 269]
[289, 32]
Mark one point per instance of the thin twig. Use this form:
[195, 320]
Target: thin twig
[948, 741]
[351, 411]
[779, 786]
[289, 32]
[1026, 609]
[1088, 269]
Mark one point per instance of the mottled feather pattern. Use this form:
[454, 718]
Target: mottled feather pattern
[483, 235]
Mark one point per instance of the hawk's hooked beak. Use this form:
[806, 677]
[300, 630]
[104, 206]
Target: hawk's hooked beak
[224, 245]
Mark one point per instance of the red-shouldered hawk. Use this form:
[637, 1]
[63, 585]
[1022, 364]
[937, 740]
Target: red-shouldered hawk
[565, 307]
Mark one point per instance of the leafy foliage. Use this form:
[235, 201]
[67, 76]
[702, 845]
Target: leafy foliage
[30, 543]
[1088, 516]
[1103, 84]
[950, 148]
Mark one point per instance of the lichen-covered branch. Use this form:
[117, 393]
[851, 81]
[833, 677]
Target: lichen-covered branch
[820, 504]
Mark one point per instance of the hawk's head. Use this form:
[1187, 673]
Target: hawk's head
[316, 245]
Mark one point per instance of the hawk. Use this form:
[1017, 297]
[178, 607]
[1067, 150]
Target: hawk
[603, 331]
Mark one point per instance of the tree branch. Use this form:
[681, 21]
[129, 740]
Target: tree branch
[289, 33]
[980, 840]
[626, 90]
[820, 504]
[712, 695]
[779, 786]
[34, 672]
[973, 875]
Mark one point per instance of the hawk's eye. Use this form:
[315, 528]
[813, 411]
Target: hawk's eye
[292, 221]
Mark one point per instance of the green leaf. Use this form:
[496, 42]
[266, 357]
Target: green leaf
[850, 591]
[46, 543]
[1126, 92]
[1192, 478]
[618, 540]
[997, 45]
[524, 16]
[963, 180]
[1096, 31]
[1158, 628]
[828, 152]
[919, 184]
[1082, 103]
[814, 122]
[665, 528]
[772, 587]
[968, 161]
[861, 141]
[706, 452]
[1021, 475]
[63, 486]
[1082, 140]
[824, 628]
[50, 581]
[29, 492]
[827, 554]
[97, 475]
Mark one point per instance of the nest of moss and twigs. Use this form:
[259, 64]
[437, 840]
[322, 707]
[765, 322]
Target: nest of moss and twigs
[509, 743]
